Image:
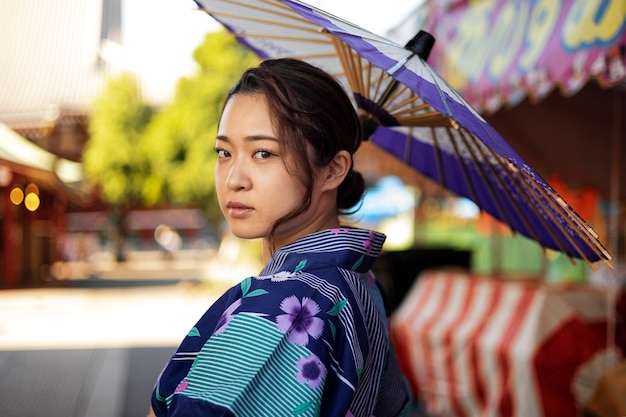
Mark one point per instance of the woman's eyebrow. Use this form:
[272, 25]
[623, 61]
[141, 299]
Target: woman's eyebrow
[261, 137]
[250, 138]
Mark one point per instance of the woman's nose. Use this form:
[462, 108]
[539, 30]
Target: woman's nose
[238, 178]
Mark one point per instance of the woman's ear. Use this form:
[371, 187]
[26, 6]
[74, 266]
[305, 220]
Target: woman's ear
[335, 172]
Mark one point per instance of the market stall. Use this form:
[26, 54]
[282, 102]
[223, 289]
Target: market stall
[549, 76]
[483, 346]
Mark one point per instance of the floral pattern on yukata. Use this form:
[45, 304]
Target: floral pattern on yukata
[308, 327]
[311, 371]
[300, 320]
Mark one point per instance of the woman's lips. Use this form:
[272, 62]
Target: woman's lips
[238, 210]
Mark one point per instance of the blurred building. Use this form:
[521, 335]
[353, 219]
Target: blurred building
[36, 189]
[55, 59]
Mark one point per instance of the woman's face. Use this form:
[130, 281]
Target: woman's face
[254, 187]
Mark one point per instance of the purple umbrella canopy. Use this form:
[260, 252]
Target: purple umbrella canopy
[412, 113]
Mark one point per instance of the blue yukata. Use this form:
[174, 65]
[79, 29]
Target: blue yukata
[307, 337]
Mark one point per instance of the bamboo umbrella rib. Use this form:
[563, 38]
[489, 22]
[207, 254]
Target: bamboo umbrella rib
[516, 207]
[394, 94]
[346, 64]
[352, 70]
[536, 192]
[272, 3]
[408, 105]
[368, 76]
[356, 65]
[407, 111]
[578, 219]
[412, 106]
[532, 191]
[315, 56]
[399, 89]
[577, 222]
[307, 26]
[360, 75]
[273, 8]
[417, 111]
[459, 158]
[574, 221]
[566, 208]
[437, 156]
[426, 119]
[572, 216]
[513, 176]
[504, 217]
[425, 123]
[280, 37]
[346, 60]
[305, 57]
[378, 82]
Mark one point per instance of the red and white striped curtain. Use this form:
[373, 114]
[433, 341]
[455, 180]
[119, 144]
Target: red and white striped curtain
[475, 346]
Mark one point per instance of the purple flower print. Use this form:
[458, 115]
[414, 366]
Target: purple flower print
[226, 317]
[311, 371]
[300, 321]
[182, 386]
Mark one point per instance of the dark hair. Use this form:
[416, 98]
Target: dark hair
[308, 106]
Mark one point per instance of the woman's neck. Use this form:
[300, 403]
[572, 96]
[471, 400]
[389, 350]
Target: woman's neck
[283, 239]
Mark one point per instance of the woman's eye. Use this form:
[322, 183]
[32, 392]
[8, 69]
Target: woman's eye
[221, 153]
[262, 154]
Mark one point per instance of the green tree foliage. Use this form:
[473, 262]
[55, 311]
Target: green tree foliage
[111, 158]
[140, 157]
[179, 142]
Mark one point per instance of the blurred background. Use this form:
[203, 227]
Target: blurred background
[111, 241]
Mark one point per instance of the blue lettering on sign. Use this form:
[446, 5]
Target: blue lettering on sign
[593, 23]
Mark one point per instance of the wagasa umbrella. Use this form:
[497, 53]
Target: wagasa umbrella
[412, 113]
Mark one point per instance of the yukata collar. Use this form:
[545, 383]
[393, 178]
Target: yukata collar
[347, 248]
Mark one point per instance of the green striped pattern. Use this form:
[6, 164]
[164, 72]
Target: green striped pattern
[244, 369]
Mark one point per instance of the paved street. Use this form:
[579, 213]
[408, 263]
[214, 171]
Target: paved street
[107, 382]
[95, 347]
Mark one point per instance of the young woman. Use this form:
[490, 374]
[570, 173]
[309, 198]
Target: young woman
[309, 335]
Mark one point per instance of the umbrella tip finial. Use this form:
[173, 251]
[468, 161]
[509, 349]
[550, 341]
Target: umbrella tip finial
[421, 44]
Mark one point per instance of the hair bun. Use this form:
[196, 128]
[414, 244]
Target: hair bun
[350, 191]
